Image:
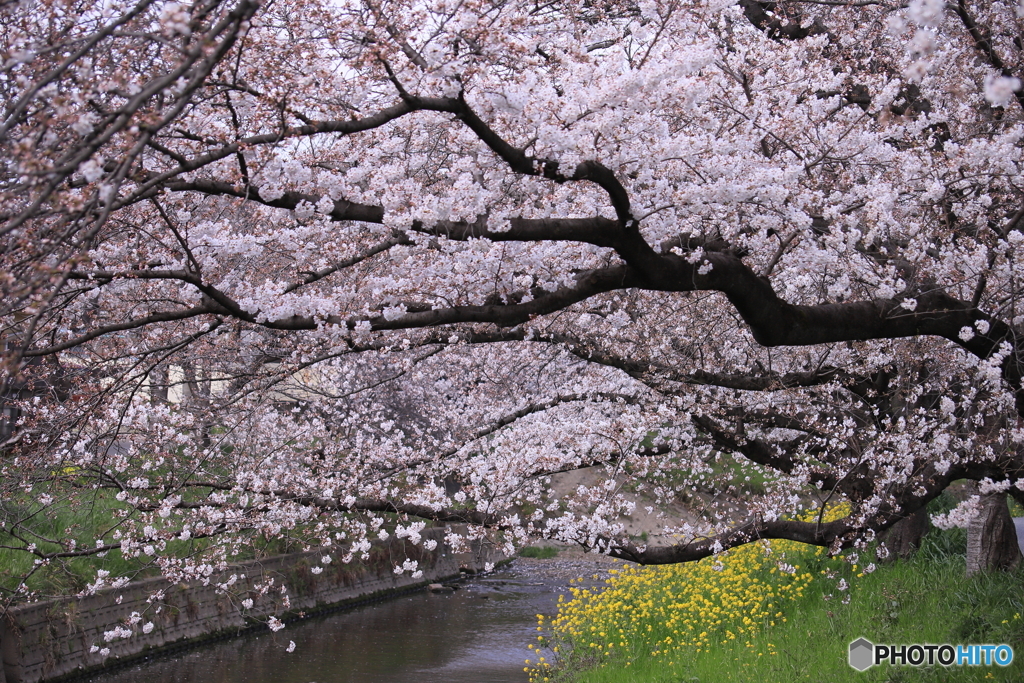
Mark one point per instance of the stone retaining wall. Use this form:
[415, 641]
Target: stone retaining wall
[51, 640]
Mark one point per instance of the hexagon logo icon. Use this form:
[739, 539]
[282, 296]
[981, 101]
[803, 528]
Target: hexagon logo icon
[862, 654]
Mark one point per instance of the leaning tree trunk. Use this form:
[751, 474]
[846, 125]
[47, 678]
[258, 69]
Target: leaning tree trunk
[904, 538]
[992, 537]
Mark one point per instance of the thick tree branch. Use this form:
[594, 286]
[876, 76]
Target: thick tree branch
[762, 453]
[811, 533]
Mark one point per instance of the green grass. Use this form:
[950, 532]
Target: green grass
[542, 553]
[924, 600]
[86, 518]
[84, 515]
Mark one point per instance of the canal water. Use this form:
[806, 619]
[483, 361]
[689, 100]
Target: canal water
[477, 634]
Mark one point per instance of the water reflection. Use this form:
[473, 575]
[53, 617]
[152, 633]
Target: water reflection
[477, 634]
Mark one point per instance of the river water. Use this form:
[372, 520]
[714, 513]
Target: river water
[477, 634]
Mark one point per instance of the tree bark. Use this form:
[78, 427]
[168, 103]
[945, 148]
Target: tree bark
[992, 537]
[904, 538]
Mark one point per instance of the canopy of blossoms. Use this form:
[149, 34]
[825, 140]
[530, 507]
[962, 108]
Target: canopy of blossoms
[336, 269]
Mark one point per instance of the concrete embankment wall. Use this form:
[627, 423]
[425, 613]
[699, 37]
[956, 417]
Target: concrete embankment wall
[51, 640]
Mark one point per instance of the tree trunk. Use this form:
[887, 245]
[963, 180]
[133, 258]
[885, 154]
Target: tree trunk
[158, 390]
[904, 538]
[992, 537]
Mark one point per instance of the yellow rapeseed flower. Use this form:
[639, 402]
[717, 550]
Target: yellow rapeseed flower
[653, 609]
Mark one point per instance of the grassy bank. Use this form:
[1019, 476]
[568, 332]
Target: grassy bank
[740, 618]
[76, 518]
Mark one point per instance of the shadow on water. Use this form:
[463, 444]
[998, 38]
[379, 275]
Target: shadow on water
[478, 634]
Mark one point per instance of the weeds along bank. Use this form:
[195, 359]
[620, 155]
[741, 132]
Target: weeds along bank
[780, 612]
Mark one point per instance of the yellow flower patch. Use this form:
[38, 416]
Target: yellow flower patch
[671, 610]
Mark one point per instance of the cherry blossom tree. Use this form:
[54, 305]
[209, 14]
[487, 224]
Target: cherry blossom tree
[335, 270]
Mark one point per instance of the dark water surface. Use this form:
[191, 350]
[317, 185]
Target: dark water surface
[478, 634]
